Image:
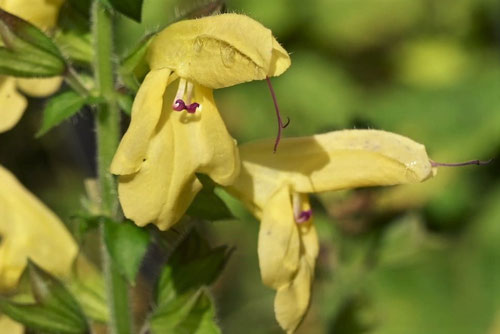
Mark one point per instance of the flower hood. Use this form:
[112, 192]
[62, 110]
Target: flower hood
[219, 51]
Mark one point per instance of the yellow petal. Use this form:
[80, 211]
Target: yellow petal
[39, 87]
[219, 51]
[309, 242]
[30, 230]
[7, 325]
[279, 242]
[42, 13]
[332, 161]
[292, 301]
[289, 258]
[12, 104]
[146, 112]
[181, 145]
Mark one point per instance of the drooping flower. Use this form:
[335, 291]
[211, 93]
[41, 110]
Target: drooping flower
[275, 188]
[177, 132]
[28, 229]
[43, 14]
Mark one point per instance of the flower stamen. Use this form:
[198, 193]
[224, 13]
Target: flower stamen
[179, 104]
[192, 107]
[303, 216]
[278, 115]
[189, 92]
[300, 215]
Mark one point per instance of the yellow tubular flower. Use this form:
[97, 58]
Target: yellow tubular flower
[28, 229]
[275, 188]
[43, 14]
[175, 133]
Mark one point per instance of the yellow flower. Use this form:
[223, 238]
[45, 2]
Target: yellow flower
[275, 188]
[28, 229]
[7, 325]
[43, 14]
[165, 146]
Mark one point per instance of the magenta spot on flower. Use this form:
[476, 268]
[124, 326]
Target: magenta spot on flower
[304, 216]
[192, 107]
[179, 105]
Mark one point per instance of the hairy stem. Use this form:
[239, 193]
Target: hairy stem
[108, 130]
[74, 81]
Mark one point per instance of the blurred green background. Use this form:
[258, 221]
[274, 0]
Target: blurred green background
[410, 259]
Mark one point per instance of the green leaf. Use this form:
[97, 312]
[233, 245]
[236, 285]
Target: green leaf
[127, 244]
[50, 292]
[207, 205]
[29, 64]
[83, 223]
[125, 103]
[191, 313]
[56, 310]
[134, 67]
[180, 276]
[74, 16]
[60, 108]
[76, 45]
[168, 316]
[130, 8]
[92, 297]
[27, 48]
[40, 318]
[17, 33]
[82, 6]
[201, 319]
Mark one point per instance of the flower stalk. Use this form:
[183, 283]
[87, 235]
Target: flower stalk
[107, 122]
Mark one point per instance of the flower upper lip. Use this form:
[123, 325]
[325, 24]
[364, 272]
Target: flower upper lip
[199, 51]
[331, 161]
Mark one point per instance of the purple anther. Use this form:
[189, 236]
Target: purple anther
[303, 216]
[192, 107]
[179, 105]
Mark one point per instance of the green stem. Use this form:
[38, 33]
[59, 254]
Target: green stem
[108, 130]
[108, 116]
[72, 79]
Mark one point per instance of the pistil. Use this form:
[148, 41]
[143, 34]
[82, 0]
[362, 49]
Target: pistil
[179, 104]
[459, 164]
[278, 115]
